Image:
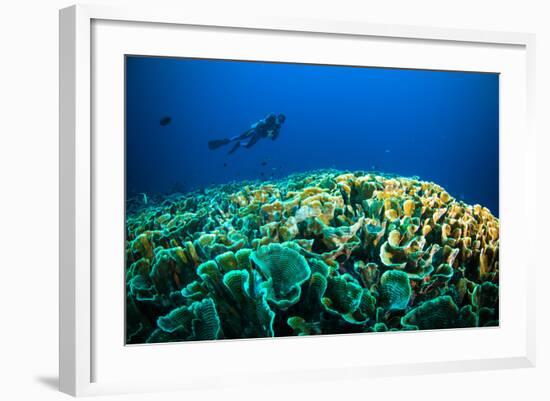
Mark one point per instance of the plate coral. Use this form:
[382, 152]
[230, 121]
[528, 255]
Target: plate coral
[323, 252]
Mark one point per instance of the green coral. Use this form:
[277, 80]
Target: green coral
[285, 270]
[395, 290]
[256, 319]
[303, 328]
[343, 295]
[438, 313]
[199, 321]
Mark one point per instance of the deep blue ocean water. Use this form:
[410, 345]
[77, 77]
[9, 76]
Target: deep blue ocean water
[439, 126]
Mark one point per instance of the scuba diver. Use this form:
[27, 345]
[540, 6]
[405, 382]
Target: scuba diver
[268, 127]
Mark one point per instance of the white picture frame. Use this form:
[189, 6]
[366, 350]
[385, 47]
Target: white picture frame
[82, 159]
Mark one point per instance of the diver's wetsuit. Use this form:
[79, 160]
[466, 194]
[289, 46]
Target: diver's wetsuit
[268, 127]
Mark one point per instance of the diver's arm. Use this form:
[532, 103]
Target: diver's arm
[274, 133]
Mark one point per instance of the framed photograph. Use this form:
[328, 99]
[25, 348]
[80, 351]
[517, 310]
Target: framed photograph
[288, 198]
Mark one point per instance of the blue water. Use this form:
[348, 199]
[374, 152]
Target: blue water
[440, 126]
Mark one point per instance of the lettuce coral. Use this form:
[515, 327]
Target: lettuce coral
[322, 252]
[395, 289]
[284, 269]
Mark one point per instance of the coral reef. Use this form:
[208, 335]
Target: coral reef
[322, 252]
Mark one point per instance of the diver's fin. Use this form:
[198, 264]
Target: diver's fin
[216, 143]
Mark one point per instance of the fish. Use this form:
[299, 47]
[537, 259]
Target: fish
[164, 121]
[225, 164]
[264, 163]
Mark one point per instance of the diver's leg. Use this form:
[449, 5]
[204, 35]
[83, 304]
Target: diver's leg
[235, 147]
[244, 135]
[216, 143]
[253, 141]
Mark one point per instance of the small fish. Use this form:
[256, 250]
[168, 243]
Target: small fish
[264, 163]
[145, 200]
[387, 151]
[262, 173]
[225, 164]
[164, 121]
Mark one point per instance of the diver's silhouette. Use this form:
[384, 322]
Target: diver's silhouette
[268, 127]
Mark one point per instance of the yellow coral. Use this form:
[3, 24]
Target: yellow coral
[408, 207]
[445, 197]
[393, 238]
[391, 214]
